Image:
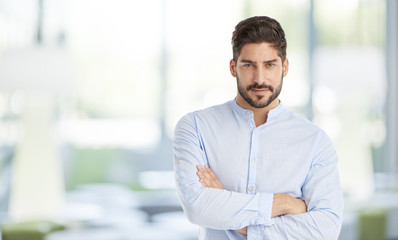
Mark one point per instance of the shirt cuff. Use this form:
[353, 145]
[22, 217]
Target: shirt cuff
[254, 233]
[265, 201]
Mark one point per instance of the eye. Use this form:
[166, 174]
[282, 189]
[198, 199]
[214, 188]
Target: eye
[270, 65]
[247, 65]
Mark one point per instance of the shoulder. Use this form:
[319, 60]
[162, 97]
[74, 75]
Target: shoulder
[209, 114]
[308, 132]
[298, 120]
[215, 111]
[305, 126]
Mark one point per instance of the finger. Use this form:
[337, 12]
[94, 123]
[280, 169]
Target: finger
[203, 183]
[203, 171]
[199, 168]
[203, 175]
[211, 173]
[204, 178]
[200, 175]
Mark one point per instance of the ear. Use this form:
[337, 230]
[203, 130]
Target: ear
[232, 67]
[285, 67]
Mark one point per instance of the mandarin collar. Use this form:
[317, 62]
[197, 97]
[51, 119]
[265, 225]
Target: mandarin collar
[273, 113]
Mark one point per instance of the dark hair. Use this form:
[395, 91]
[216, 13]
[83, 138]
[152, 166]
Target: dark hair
[256, 30]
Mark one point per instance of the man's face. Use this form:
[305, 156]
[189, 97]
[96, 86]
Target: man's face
[259, 72]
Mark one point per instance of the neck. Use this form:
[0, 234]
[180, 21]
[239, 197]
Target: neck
[260, 114]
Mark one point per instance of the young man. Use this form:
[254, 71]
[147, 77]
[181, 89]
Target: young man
[250, 168]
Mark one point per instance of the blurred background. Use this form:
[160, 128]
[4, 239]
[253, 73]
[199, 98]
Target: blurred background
[90, 92]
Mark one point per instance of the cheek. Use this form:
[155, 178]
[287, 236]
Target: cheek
[277, 75]
[243, 79]
[244, 74]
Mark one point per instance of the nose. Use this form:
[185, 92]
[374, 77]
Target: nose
[259, 75]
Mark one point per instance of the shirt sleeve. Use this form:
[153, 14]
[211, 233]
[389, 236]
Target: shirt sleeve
[323, 196]
[209, 207]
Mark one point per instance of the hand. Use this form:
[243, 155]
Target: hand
[285, 204]
[243, 230]
[298, 206]
[209, 179]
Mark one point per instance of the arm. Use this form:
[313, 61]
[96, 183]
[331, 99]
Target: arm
[282, 203]
[321, 192]
[210, 207]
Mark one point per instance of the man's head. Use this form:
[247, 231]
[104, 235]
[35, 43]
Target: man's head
[256, 30]
[259, 62]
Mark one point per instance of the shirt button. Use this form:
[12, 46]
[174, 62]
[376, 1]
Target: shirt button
[248, 112]
[250, 189]
[252, 159]
[179, 161]
[254, 132]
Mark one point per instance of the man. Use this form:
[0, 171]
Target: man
[250, 168]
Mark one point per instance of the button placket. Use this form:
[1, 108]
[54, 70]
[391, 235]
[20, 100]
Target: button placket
[250, 119]
[252, 163]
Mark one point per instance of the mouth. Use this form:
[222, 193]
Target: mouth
[260, 91]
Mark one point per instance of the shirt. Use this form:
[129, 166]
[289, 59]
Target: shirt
[287, 154]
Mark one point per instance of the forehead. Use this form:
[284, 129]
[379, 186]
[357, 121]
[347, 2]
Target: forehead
[258, 52]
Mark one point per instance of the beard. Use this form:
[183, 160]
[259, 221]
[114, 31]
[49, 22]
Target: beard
[259, 101]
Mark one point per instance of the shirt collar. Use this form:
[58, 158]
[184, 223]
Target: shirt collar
[273, 113]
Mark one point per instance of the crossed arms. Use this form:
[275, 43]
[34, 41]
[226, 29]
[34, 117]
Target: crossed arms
[207, 204]
[282, 203]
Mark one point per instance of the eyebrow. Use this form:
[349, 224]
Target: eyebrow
[268, 61]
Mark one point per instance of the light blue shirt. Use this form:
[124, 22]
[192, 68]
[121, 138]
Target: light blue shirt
[287, 154]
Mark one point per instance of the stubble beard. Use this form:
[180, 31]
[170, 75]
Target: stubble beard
[259, 104]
